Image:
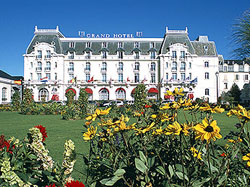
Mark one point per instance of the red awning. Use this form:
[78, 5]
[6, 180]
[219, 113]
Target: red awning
[71, 89]
[133, 91]
[55, 97]
[103, 89]
[120, 89]
[89, 91]
[153, 90]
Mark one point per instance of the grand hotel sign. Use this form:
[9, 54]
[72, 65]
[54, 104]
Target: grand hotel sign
[83, 34]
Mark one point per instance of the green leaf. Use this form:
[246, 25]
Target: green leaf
[200, 183]
[171, 171]
[143, 157]
[151, 161]
[161, 170]
[23, 176]
[234, 153]
[32, 157]
[110, 181]
[140, 165]
[93, 184]
[119, 172]
[180, 175]
[222, 179]
[33, 181]
[246, 172]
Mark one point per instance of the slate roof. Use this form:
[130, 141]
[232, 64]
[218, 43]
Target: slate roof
[7, 76]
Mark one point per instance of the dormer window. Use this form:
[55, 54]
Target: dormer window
[137, 55]
[88, 45]
[205, 49]
[152, 45]
[136, 45]
[104, 54]
[39, 54]
[71, 44]
[119, 44]
[120, 54]
[104, 44]
[71, 55]
[152, 54]
[88, 55]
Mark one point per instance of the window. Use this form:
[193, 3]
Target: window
[104, 66]
[48, 66]
[120, 94]
[137, 66]
[104, 54]
[137, 77]
[4, 94]
[190, 65]
[152, 77]
[88, 55]
[87, 66]
[190, 76]
[71, 55]
[174, 66]
[174, 54]
[43, 95]
[88, 45]
[225, 68]
[152, 54]
[166, 64]
[48, 54]
[39, 66]
[71, 44]
[48, 75]
[182, 54]
[206, 75]
[183, 66]
[104, 44]
[230, 68]
[249, 69]
[87, 77]
[31, 76]
[55, 76]
[71, 66]
[104, 94]
[137, 55]
[136, 45]
[39, 54]
[220, 68]
[246, 78]
[120, 54]
[183, 76]
[167, 76]
[104, 77]
[39, 76]
[152, 68]
[31, 64]
[174, 76]
[206, 64]
[120, 66]
[71, 76]
[236, 77]
[119, 44]
[55, 64]
[206, 91]
[152, 45]
[226, 87]
[241, 68]
[120, 77]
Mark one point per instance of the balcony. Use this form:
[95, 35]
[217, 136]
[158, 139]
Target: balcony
[46, 69]
[47, 56]
[182, 69]
[70, 69]
[174, 69]
[39, 69]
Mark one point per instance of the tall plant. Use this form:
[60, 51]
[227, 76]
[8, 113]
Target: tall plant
[16, 101]
[83, 102]
[140, 96]
[70, 97]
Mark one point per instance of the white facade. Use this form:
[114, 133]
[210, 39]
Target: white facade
[113, 67]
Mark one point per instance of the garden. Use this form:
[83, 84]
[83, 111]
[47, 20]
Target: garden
[183, 143]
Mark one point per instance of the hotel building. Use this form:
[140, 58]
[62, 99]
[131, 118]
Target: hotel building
[110, 68]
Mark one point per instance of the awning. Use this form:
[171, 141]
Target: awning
[153, 90]
[133, 91]
[120, 89]
[71, 89]
[55, 97]
[103, 89]
[89, 91]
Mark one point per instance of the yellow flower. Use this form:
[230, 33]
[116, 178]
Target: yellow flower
[215, 109]
[158, 131]
[186, 102]
[165, 107]
[175, 105]
[169, 93]
[174, 128]
[102, 112]
[247, 158]
[153, 116]
[185, 129]
[178, 92]
[196, 153]
[91, 117]
[90, 134]
[206, 131]
[234, 141]
[144, 130]
[192, 107]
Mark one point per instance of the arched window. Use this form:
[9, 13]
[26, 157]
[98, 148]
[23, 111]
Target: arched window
[39, 65]
[137, 66]
[87, 66]
[206, 75]
[71, 66]
[152, 66]
[120, 66]
[174, 65]
[4, 94]
[43, 95]
[206, 91]
[206, 64]
[104, 94]
[183, 66]
[104, 66]
[120, 94]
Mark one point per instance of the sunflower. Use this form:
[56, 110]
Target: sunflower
[144, 130]
[174, 128]
[247, 158]
[196, 153]
[90, 134]
[215, 109]
[102, 112]
[207, 131]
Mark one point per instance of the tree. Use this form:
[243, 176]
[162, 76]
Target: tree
[83, 102]
[16, 101]
[235, 93]
[241, 36]
[70, 97]
[140, 96]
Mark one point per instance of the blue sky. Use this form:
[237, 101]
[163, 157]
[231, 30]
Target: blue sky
[18, 19]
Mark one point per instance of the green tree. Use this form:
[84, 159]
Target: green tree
[241, 36]
[70, 97]
[83, 102]
[16, 103]
[27, 101]
[235, 93]
[140, 96]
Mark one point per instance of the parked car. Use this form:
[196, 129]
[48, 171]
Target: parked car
[60, 102]
[116, 103]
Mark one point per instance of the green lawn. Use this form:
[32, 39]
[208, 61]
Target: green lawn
[14, 124]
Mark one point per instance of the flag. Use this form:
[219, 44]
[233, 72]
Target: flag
[144, 80]
[194, 81]
[72, 80]
[91, 80]
[171, 79]
[161, 80]
[19, 82]
[128, 79]
[187, 79]
[44, 79]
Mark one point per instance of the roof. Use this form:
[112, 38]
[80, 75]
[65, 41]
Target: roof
[7, 76]
[231, 62]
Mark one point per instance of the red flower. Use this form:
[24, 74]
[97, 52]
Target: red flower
[223, 154]
[52, 185]
[74, 184]
[5, 143]
[43, 131]
[148, 106]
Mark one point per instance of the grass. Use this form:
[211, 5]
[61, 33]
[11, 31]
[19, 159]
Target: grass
[17, 125]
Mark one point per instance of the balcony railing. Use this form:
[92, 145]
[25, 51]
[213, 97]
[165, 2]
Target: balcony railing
[39, 69]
